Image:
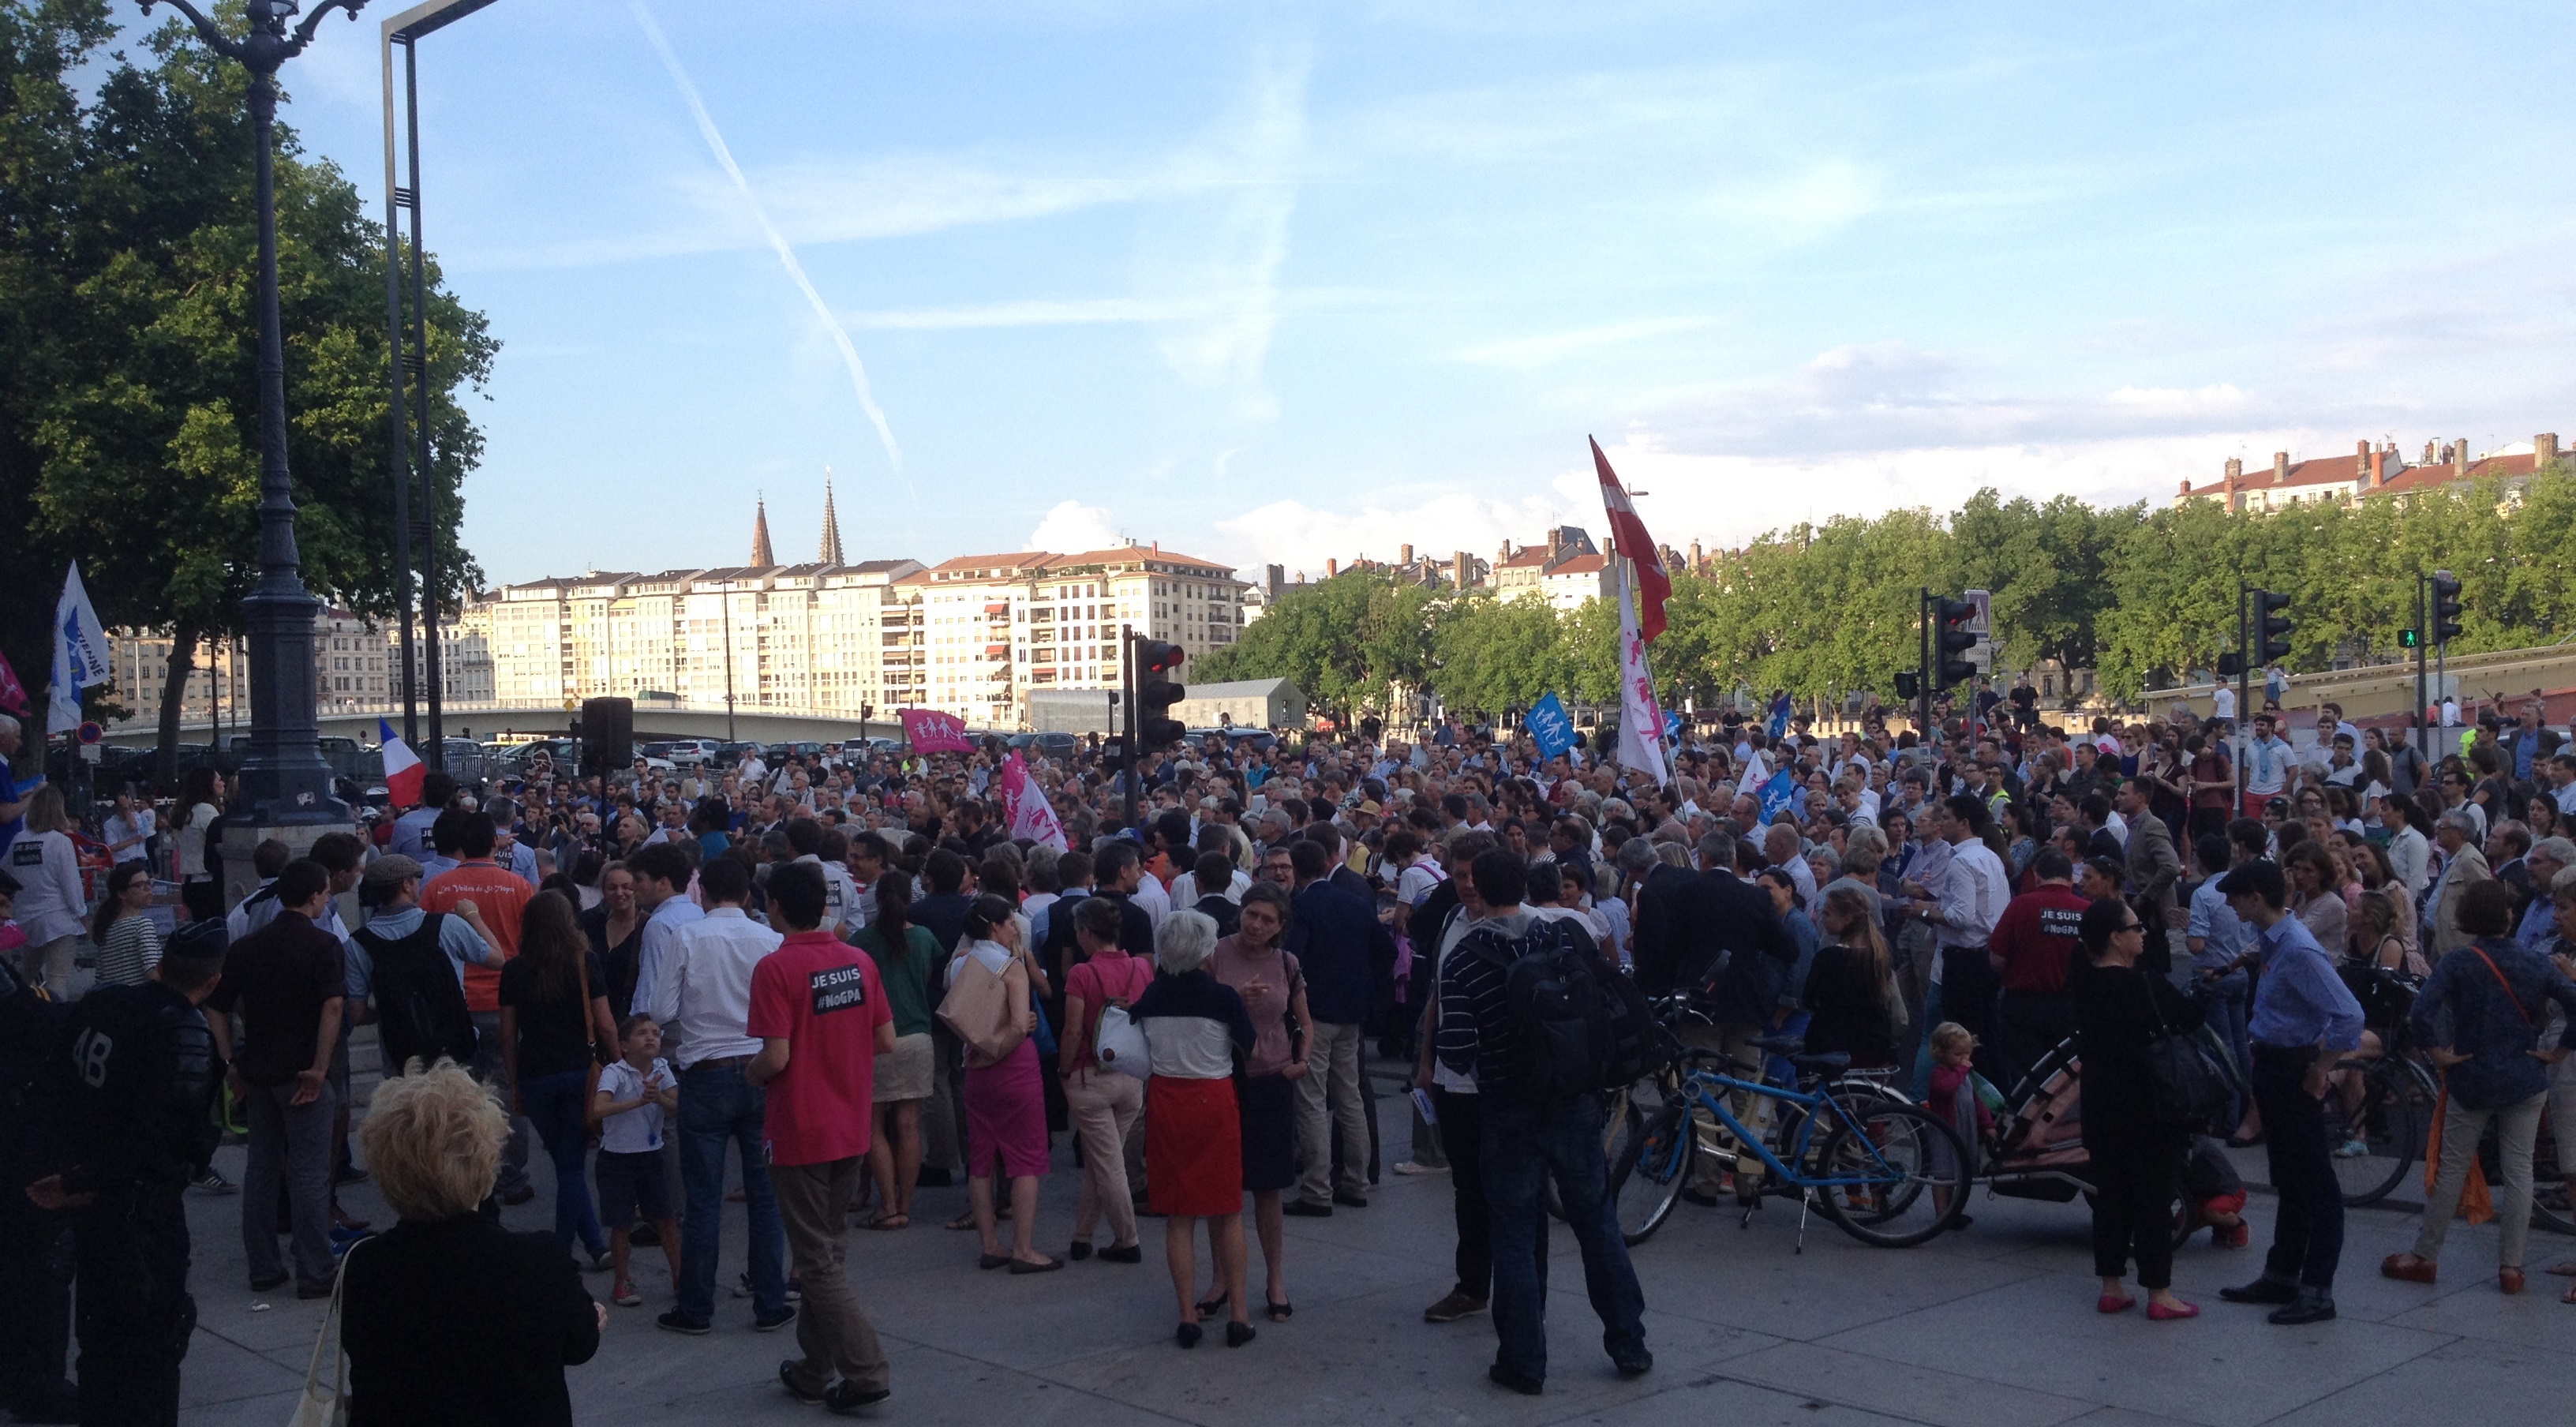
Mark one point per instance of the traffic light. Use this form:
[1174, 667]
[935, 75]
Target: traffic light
[1951, 618]
[2446, 606]
[1156, 693]
[2271, 627]
[2410, 639]
[2230, 665]
[1909, 684]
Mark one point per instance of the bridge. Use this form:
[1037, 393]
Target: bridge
[486, 723]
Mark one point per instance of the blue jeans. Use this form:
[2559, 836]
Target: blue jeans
[716, 1106]
[553, 1104]
[2226, 1003]
[1523, 1146]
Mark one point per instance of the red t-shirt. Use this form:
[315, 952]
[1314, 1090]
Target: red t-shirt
[2037, 938]
[500, 898]
[823, 997]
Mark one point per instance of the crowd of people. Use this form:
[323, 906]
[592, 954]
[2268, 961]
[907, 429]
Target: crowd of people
[845, 968]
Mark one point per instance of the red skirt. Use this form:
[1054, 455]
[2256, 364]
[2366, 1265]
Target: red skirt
[1193, 1147]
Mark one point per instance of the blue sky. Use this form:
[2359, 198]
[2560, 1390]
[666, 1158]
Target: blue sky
[1274, 282]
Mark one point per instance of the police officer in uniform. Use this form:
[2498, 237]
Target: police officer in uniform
[135, 1089]
[35, 1248]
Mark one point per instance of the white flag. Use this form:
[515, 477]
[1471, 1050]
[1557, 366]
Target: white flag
[80, 655]
[1641, 718]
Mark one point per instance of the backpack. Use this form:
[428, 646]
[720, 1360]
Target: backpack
[1578, 1026]
[420, 1008]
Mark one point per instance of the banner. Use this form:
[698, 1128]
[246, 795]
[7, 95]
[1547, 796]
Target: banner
[13, 695]
[1641, 718]
[403, 770]
[1778, 794]
[1025, 804]
[1550, 728]
[930, 731]
[80, 655]
[1628, 533]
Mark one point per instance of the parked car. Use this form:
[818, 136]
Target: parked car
[729, 754]
[691, 752]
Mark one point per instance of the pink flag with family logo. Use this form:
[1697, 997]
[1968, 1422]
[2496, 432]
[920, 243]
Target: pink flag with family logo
[1026, 804]
[930, 731]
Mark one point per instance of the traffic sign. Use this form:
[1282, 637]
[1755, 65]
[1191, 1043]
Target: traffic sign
[91, 732]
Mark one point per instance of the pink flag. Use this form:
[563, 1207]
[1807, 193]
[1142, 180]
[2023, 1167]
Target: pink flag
[1026, 804]
[930, 731]
[13, 695]
[1654, 586]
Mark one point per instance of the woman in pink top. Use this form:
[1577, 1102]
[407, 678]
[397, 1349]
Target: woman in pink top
[1104, 1103]
[1274, 992]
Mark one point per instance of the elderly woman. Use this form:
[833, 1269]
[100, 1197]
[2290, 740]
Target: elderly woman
[447, 1316]
[1196, 1033]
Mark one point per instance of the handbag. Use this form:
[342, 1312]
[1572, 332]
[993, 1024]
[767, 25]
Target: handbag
[978, 1008]
[2191, 1087]
[589, 1033]
[314, 1407]
[1120, 1045]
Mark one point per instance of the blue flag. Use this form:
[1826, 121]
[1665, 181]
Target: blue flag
[1672, 727]
[1549, 726]
[1778, 794]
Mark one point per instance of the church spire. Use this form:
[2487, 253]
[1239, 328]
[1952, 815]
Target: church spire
[760, 556]
[830, 554]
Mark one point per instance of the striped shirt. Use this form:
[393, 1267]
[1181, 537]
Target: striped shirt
[1472, 1038]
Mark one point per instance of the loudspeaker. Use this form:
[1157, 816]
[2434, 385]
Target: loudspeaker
[607, 736]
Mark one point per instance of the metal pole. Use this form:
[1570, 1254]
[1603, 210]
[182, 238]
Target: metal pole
[1128, 796]
[2423, 636]
[2244, 697]
[1923, 666]
[431, 674]
[728, 647]
[397, 425]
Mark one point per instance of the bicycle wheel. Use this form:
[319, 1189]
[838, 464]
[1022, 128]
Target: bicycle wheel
[2550, 1207]
[1885, 1156]
[2380, 1136]
[1653, 1162]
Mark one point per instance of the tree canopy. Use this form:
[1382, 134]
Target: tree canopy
[129, 403]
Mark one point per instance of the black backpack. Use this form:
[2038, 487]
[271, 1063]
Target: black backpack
[420, 1008]
[1578, 1026]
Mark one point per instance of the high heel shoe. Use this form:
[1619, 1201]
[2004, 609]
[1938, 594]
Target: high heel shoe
[1238, 1334]
[1187, 1335]
[1210, 1307]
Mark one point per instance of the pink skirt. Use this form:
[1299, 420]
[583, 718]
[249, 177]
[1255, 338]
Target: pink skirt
[1006, 1116]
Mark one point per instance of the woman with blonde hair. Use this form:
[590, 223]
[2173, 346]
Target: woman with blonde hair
[51, 902]
[447, 1317]
[1850, 982]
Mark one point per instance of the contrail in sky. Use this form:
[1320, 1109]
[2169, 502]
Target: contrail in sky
[777, 240]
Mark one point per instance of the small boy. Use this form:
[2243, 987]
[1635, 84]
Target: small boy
[635, 1093]
[1955, 1098]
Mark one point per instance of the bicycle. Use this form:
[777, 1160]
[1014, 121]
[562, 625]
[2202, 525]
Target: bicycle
[1867, 1172]
[2387, 1106]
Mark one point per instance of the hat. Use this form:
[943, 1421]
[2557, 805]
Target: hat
[1370, 807]
[197, 941]
[2261, 877]
[384, 878]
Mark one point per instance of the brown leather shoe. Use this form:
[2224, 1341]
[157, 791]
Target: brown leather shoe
[2509, 1279]
[2407, 1267]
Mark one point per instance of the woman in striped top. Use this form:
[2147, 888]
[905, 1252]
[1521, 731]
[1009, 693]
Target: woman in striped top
[128, 944]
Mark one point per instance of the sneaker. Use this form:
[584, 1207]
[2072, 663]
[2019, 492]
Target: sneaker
[1415, 1167]
[1350, 1200]
[518, 1194]
[676, 1321]
[213, 1182]
[795, 1287]
[846, 1396]
[2352, 1149]
[624, 1294]
[787, 1379]
[1452, 1308]
[772, 1322]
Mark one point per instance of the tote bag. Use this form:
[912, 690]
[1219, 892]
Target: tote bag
[317, 1407]
[1120, 1045]
[979, 1009]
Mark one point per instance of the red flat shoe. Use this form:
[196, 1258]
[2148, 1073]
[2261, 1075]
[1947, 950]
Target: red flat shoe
[2408, 1268]
[2107, 1304]
[2158, 1313]
[2509, 1279]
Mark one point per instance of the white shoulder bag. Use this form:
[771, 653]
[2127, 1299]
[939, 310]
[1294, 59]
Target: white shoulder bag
[317, 1408]
[1120, 1045]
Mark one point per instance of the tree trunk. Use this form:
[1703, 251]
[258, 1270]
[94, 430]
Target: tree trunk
[174, 696]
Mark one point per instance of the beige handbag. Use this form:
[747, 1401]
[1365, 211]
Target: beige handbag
[317, 1408]
[979, 1007]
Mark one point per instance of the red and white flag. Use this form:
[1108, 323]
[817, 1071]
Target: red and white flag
[13, 695]
[1654, 586]
[1641, 714]
[403, 770]
[1031, 816]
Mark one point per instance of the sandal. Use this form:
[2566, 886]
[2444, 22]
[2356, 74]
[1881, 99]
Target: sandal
[886, 1223]
[963, 1223]
[2564, 1270]
[1211, 1306]
[1279, 1312]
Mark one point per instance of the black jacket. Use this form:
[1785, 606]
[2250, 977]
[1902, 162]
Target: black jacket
[136, 1076]
[1719, 916]
[1655, 943]
[460, 1320]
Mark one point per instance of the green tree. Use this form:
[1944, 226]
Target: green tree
[129, 412]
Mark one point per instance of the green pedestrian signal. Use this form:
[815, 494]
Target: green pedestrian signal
[2410, 639]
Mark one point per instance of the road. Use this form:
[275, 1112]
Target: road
[1993, 1327]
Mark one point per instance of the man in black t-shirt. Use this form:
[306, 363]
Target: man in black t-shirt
[286, 981]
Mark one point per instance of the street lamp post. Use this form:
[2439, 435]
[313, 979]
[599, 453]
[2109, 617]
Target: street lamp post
[728, 647]
[283, 781]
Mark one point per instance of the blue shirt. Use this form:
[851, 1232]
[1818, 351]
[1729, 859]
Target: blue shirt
[9, 793]
[2539, 924]
[2215, 923]
[2467, 1006]
[2300, 1001]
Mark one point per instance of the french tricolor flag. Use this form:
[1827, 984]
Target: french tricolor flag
[402, 766]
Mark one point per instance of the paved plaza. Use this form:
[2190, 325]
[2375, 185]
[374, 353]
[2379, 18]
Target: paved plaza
[1991, 1328]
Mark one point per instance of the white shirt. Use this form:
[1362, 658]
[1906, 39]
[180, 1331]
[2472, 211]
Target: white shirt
[840, 896]
[188, 851]
[50, 900]
[636, 1131]
[1154, 898]
[705, 994]
[120, 827]
[1974, 890]
[2222, 702]
[661, 943]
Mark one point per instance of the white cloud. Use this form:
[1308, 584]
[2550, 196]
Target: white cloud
[1299, 536]
[1072, 527]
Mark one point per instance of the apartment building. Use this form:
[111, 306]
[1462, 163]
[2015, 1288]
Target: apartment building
[354, 664]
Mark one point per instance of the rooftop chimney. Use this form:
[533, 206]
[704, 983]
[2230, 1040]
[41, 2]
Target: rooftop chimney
[2360, 459]
[2234, 478]
[1273, 579]
[2280, 468]
[2460, 461]
[2378, 469]
[2544, 450]
[1555, 542]
[1462, 569]
[1696, 557]
[1405, 554]
[2428, 454]
[2186, 486]
[1507, 553]
[1332, 567]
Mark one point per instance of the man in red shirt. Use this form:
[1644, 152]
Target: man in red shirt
[2032, 947]
[821, 1017]
[492, 899]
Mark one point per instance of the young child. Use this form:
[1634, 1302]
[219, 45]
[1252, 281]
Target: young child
[1955, 1098]
[635, 1093]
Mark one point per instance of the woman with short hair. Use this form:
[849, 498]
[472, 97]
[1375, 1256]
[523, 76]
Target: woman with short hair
[447, 1317]
[51, 901]
[1197, 1033]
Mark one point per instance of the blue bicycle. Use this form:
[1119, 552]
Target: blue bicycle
[1866, 1160]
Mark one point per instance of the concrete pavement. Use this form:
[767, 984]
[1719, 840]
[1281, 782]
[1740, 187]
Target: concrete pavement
[1993, 1327]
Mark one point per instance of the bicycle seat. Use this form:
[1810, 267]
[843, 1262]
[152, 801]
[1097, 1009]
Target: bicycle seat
[1829, 1062]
